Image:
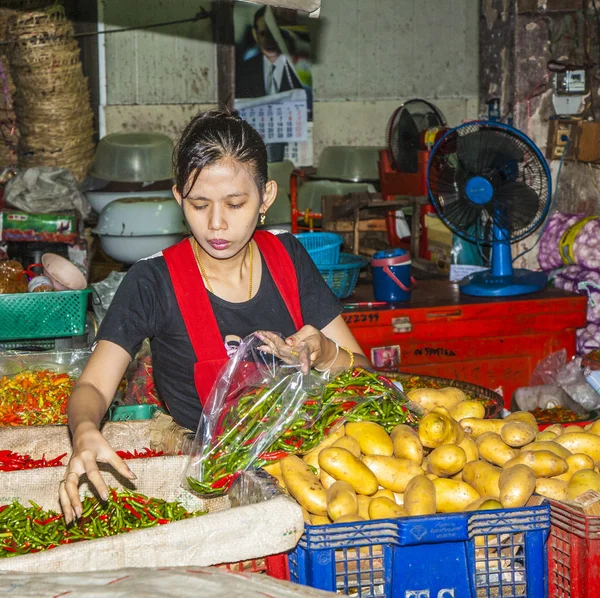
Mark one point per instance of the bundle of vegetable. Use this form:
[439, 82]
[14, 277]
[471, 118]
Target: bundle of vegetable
[259, 418]
[549, 255]
[573, 278]
[454, 462]
[24, 530]
[34, 398]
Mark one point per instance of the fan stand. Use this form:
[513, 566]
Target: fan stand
[502, 280]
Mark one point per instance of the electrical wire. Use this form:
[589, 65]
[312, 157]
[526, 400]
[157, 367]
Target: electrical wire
[552, 201]
[199, 16]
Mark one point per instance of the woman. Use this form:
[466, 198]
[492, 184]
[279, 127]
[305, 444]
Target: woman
[198, 298]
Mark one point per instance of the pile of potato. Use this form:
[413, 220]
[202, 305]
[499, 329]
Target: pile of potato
[456, 461]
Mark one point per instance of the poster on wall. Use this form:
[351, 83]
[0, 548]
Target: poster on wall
[273, 79]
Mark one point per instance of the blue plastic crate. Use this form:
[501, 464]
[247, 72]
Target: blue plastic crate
[342, 277]
[454, 555]
[323, 248]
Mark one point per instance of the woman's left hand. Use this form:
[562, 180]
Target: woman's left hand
[309, 346]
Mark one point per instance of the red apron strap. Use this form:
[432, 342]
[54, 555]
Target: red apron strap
[194, 303]
[283, 271]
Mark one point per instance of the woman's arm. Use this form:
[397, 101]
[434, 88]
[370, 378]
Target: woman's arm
[89, 401]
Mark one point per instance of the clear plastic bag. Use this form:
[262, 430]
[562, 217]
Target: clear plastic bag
[263, 409]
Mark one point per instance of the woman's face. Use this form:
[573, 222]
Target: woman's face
[223, 207]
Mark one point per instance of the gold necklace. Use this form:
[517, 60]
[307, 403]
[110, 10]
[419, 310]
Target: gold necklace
[196, 247]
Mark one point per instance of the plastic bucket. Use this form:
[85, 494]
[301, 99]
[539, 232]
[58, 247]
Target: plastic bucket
[391, 275]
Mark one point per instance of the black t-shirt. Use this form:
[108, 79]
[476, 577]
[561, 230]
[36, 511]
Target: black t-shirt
[145, 306]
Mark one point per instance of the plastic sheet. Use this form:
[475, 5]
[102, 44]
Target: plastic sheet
[69, 362]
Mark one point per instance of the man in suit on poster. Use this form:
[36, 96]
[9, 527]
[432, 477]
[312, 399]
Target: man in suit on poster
[267, 73]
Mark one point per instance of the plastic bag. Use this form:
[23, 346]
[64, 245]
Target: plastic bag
[263, 409]
[104, 292]
[140, 388]
[554, 370]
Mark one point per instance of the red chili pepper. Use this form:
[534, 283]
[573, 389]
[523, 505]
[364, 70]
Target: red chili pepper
[132, 510]
[273, 456]
[114, 494]
[225, 481]
[348, 404]
[49, 520]
[3, 507]
[163, 521]
[386, 380]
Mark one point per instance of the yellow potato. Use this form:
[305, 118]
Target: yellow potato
[430, 398]
[384, 508]
[274, 469]
[349, 519]
[371, 437]
[552, 446]
[455, 394]
[363, 505]
[393, 474]
[551, 488]
[341, 500]
[343, 465]
[543, 463]
[492, 448]
[432, 476]
[572, 429]
[484, 477]
[456, 476]
[446, 460]
[453, 496]
[517, 484]
[576, 462]
[399, 498]
[476, 427]
[319, 520]
[556, 429]
[419, 496]
[304, 485]
[349, 443]
[437, 428]
[384, 492]
[517, 434]
[312, 457]
[581, 442]
[582, 481]
[305, 515]
[525, 417]
[546, 436]
[595, 427]
[326, 479]
[466, 409]
[470, 447]
[588, 427]
[485, 503]
[406, 444]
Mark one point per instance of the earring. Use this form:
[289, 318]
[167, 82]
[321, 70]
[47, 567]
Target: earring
[262, 218]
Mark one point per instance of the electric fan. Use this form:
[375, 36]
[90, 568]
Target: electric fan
[491, 185]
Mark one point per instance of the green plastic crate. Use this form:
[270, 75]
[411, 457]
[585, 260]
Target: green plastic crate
[43, 315]
[120, 413]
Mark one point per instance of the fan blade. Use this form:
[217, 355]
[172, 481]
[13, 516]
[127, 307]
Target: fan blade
[485, 150]
[518, 202]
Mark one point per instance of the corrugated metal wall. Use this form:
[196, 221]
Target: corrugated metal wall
[370, 55]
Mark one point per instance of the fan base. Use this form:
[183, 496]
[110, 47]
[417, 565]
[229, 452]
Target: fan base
[521, 282]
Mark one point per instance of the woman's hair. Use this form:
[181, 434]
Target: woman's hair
[214, 136]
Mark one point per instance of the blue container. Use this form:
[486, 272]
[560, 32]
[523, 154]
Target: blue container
[434, 556]
[342, 277]
[323, 248]
[391, 275]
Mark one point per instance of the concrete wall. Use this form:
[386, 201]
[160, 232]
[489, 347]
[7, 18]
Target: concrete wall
[369, 56]
[518, 38]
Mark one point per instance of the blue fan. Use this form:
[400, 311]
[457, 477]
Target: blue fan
[491, 185]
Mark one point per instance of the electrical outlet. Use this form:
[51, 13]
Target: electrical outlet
[563, 134]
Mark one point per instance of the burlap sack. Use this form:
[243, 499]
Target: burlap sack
[226, 535]
[182, 582]
[52, 441]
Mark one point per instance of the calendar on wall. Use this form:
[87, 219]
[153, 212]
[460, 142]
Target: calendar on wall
[279, 118]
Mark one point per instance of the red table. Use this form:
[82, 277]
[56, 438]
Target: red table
[495, 343]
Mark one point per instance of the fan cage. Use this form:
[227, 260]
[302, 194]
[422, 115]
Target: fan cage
[514, 166]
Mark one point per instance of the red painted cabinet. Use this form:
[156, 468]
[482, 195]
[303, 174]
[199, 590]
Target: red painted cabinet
[495, 343]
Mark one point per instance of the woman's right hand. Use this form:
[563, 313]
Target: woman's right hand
[89, 448]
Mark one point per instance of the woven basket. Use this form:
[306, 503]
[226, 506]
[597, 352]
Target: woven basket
[52, 100]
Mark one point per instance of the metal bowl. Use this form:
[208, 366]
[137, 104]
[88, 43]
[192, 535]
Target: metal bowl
[133, 157]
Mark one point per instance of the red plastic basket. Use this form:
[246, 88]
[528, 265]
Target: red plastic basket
[275, 566]
[573, 553]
